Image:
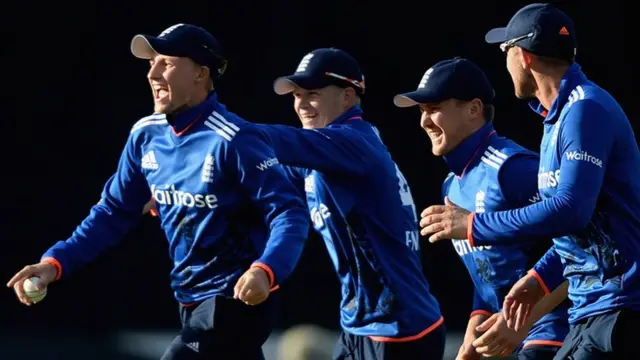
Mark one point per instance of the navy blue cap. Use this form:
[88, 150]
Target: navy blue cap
[182, 40]
[321, 68]
[456, 78]
[541, 29]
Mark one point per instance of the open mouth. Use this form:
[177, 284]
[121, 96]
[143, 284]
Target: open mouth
[160, 92]
[436, 135]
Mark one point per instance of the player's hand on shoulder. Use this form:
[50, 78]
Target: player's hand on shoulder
[448, 221]
[46, 273]
[497, 339]
[252, 287]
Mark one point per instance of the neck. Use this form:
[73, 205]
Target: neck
[324, 122]
[459, 157]
[548, 86]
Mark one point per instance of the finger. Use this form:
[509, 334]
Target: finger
[521, 316]
[434, 209]
[23, 274]
[506, 306]
[488, 323]
[19, 290]
[239, 285]
[448, 202]
[432, 229]
[245, 295]
[431, 219]
[490, 348]
[485, 339]
[513, 309]
[525, 316]
[440, 235]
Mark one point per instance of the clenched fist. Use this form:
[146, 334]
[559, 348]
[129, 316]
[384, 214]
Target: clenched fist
[253, 287]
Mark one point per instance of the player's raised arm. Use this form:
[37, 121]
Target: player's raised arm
[120, 207]
[285, 213]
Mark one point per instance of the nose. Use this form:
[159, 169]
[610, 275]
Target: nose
[425, 119]
[154, 72]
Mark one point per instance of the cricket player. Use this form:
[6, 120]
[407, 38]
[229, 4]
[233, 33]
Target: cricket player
[361, 204]
[488, 173]
[589, 188]
[235, 229]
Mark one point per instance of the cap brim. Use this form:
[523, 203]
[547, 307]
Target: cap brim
[497, 35]
[146, 47]
[416, 97]
[286, 84]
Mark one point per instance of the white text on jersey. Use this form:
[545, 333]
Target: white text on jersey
[171, 196]
[463, 248]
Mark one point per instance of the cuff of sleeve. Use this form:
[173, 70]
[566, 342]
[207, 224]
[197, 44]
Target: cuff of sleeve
[470, 229]
[480, 312]
[538, 278]
[55, 263]
[267, 269]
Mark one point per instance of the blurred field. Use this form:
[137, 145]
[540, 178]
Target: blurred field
[149, 345]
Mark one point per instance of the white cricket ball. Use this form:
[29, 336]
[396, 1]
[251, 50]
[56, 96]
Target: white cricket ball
[31, 292]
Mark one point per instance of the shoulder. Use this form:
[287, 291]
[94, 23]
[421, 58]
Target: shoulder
[589, 103]
[233, 129]
[504, 151]
[510, 160]
[151, 123]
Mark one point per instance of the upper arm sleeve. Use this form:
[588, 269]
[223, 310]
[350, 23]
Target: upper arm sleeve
[584, 144]
[120, 207]
[339, 149]
[267, 184]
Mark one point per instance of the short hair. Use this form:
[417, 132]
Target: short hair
[554, 62]
[488, 112]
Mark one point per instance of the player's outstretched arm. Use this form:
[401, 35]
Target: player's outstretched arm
[585, 141]
[284, 210]
[340, 149]
[120, 207]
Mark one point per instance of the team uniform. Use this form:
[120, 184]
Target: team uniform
[588, 183]
[360, 203]
[223, 207]
[491, 173]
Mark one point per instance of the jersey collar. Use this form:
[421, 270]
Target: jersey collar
[461, 156]
[571, 78]
[354, 113]
[182, 121]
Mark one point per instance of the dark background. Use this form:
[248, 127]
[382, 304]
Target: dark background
[72, 90]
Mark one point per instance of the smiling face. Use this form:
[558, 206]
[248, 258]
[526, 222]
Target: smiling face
[176, 83]
[319, 107]
[449, 122]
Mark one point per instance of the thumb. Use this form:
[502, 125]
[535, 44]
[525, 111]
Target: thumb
[448, 202]
[487, 324]
[238, 287]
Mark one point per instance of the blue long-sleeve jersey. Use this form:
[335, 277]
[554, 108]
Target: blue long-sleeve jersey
[588, 182]
[491, 173]
[361, 204]
[223, 202]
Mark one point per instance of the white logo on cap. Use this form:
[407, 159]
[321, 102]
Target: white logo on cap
[304, 63]
[170, 29]
[425, 77]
